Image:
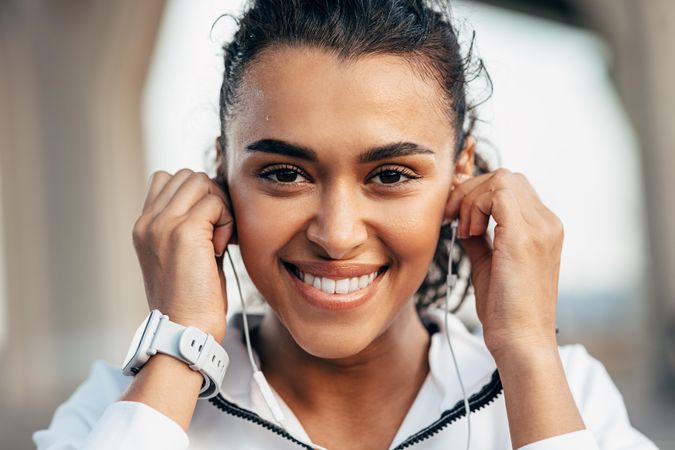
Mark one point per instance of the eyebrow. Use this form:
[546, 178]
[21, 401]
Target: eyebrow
[393, 150]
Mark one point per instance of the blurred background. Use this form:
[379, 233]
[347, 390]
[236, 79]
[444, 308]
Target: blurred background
[96, 95]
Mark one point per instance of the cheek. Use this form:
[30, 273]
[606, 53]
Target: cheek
[264, 226]
[406, 229]
[412, 237]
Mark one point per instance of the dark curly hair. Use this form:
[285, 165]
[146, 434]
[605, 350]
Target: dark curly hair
[420, 31]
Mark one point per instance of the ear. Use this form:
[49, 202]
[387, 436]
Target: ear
[219, 149]
[465, 160]
[221, 167]
[221, 179]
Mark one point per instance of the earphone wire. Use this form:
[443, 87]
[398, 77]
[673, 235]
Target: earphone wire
[243, 310]
[451, 281]
[258, 376]
[450, 284]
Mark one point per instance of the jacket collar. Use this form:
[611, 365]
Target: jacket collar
[476, 365]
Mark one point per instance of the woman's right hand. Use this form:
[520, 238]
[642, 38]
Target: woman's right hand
[185, 224]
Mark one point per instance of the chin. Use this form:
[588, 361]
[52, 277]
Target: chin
[334, 341]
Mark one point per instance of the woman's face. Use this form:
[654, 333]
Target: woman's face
[338, 174]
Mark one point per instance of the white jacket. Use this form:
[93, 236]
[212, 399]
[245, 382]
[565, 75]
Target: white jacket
[92, 418]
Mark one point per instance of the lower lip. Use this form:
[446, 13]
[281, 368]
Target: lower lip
[335, 302]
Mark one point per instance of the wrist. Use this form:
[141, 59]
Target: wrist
[538, 399]
[526, 354]
[194, 348]
[168, 368]
[168, 386]
[206, 324]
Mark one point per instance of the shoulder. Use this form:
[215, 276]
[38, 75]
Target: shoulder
[599, 401]
[591, 385]
[80, 412]
[104, 384]
[587, 377]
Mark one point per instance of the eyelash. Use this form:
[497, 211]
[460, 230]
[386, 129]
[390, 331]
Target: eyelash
[409, 174]
[270, 171]
[267, 172]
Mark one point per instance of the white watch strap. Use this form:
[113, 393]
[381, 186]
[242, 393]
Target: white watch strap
[195, 347]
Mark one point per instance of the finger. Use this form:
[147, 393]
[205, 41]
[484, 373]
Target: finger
[477, 222]
[531, 206]
[191, 191]
[459, 191]
[501, 204]
[477, 248]
[169, 190]
[212, 209]
[155, 184]
[499, 179]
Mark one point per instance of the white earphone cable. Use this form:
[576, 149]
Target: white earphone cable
[451, 281]
[243, 310]
[266, 391]
[258, 376]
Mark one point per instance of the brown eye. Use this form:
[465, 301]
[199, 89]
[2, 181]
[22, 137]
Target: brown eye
[283, 175]
[389, 176]
[286, 176]
[394, 176]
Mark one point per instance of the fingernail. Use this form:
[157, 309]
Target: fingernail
[218, 255]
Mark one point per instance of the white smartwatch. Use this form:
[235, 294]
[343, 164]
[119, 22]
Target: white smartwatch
[197, 349]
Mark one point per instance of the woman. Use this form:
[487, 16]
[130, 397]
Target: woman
[342, 161]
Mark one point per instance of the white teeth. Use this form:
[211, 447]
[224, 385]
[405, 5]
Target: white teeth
[328, 285]
[342, 286]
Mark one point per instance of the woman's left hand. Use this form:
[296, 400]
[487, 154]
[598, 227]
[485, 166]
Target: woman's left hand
[515, 278]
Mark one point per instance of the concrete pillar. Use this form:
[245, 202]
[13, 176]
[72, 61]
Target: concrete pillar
[642, 36]
[72, 183]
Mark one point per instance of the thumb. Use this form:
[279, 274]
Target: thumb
[223, 282]
[222, 235]
[479, 250]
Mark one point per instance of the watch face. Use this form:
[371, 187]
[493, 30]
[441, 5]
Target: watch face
[136, 355]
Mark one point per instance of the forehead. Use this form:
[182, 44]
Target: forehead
[307, 96]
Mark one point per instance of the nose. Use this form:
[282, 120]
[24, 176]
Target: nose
[338, 226]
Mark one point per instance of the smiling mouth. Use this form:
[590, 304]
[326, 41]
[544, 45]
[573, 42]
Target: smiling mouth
[335, 286]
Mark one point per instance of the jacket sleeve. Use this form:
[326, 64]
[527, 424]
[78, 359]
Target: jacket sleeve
[94, 419]
[601, 406]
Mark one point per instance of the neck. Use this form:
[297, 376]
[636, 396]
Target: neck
[396, 361]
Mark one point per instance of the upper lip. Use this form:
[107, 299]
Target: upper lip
[335, 269]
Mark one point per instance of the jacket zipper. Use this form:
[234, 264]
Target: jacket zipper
[479, 400]
[230, 408]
